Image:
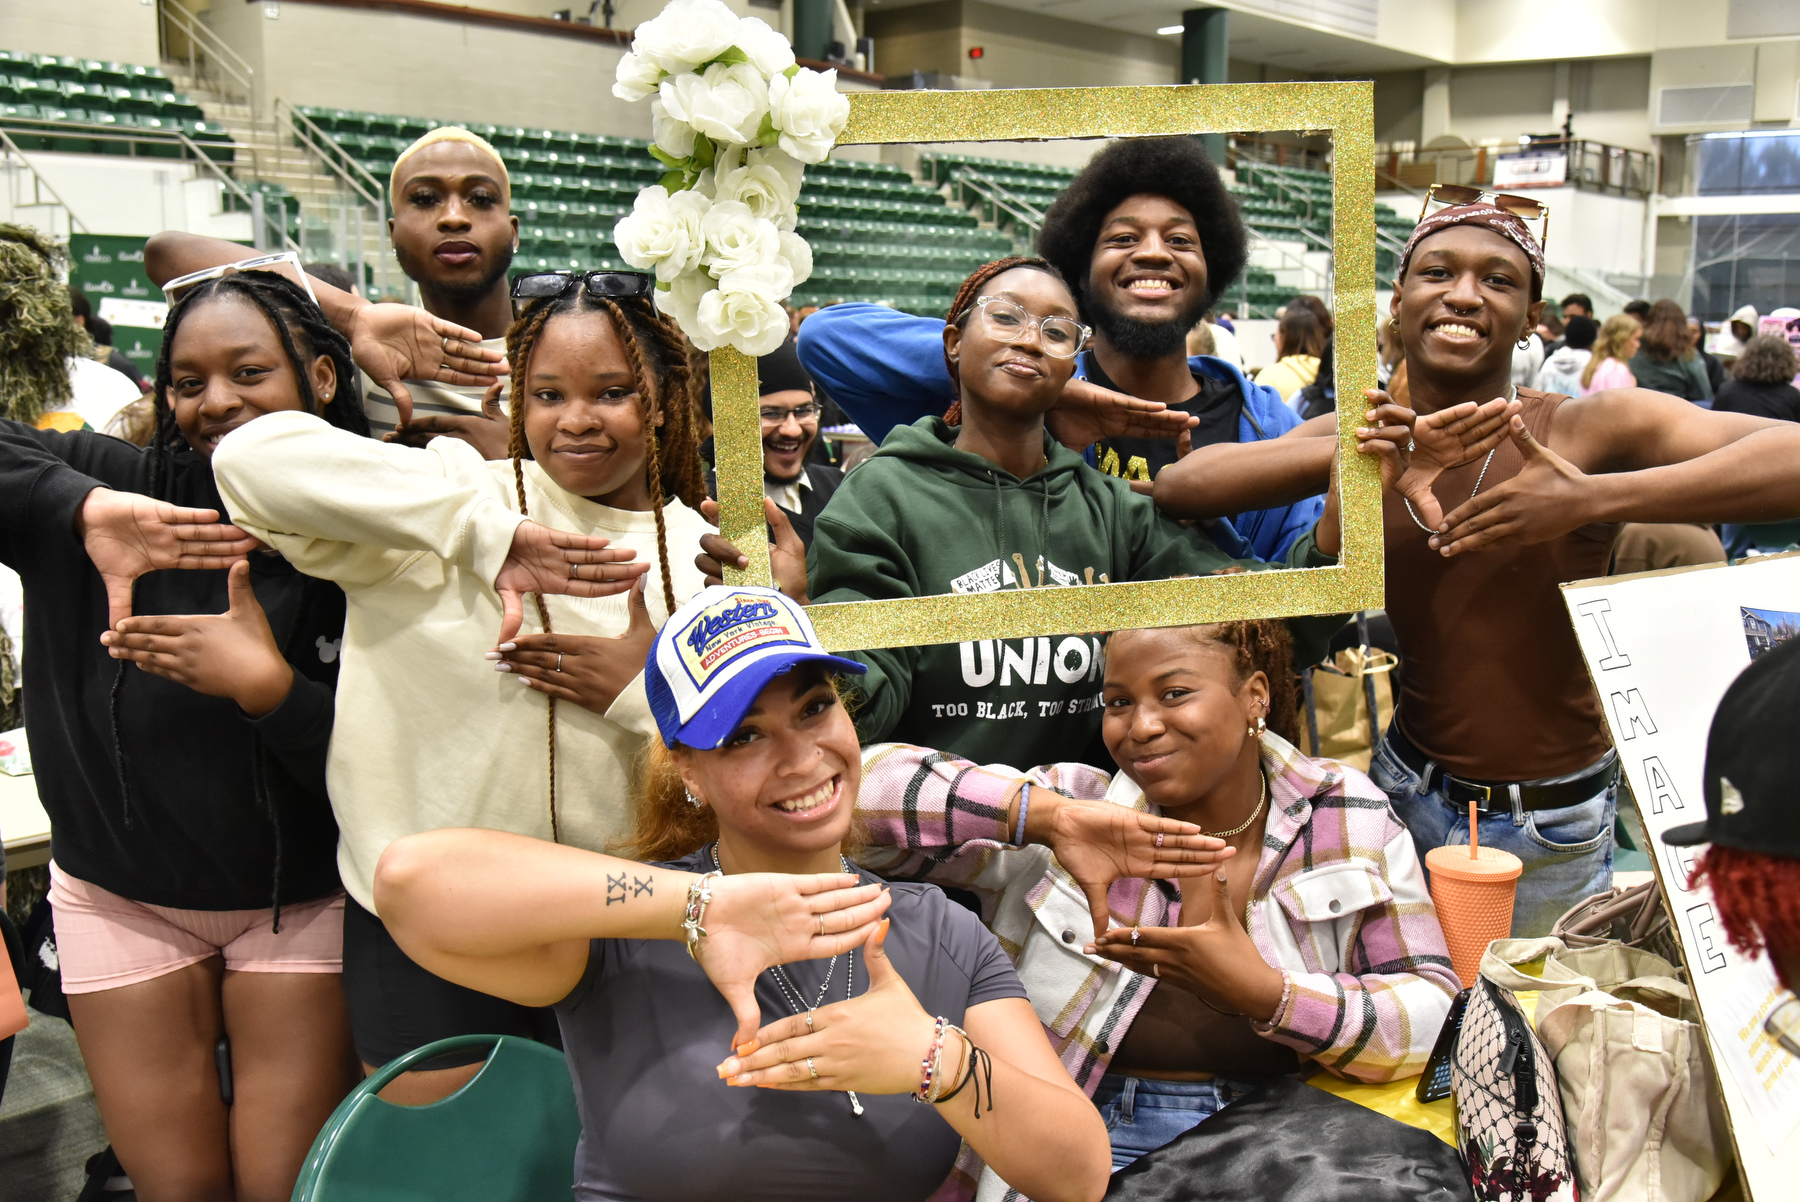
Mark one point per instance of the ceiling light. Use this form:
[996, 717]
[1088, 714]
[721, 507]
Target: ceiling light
[1166, 30]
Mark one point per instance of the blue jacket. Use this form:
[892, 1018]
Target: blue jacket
[886, 368]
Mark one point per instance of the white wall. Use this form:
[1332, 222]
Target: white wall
[109, 30]
[109, 194]
[1594, 232]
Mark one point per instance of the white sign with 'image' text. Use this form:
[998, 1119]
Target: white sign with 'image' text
[1662, 647]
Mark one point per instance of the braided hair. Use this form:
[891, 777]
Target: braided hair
[669, 385]
[965, 302]
[1263, 645]
[304, 335]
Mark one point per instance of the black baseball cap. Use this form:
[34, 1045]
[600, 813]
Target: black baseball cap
[1753, 762]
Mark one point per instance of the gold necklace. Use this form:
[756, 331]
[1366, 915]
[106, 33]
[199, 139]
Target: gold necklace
[1245, 825]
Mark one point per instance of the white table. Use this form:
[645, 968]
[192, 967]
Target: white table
[23, 823]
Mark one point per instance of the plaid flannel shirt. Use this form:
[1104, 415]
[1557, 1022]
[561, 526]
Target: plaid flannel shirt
[1339, 904]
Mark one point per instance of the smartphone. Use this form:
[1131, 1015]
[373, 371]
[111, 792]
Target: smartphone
[1434, 1083]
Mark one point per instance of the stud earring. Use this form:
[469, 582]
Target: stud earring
[694, 801]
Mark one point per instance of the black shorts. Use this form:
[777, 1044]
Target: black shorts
[396, 1006]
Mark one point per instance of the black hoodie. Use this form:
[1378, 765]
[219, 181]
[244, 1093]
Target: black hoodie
[196, 831]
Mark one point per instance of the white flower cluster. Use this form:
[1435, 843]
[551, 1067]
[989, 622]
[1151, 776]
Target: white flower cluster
[735, 120]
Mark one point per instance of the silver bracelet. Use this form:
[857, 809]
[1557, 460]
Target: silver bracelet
[698, 898]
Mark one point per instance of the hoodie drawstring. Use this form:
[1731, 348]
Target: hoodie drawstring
[1000, 530]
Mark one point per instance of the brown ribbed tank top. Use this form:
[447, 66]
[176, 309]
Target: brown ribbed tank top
[1492, 682]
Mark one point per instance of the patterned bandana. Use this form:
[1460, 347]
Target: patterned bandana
[1487, 216]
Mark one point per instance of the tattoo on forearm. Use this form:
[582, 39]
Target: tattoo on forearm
[642, 886]
[616, 890]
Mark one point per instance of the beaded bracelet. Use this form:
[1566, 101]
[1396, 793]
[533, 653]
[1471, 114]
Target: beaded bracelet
[1024, 808]
[699, 896]
[930, 1067]
[979, 1068]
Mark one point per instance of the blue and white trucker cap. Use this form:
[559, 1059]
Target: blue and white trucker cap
[714, 656]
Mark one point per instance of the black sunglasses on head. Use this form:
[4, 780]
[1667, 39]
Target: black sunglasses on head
[609, 285]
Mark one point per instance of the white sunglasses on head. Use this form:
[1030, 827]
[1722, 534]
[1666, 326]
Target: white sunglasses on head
[287, 264]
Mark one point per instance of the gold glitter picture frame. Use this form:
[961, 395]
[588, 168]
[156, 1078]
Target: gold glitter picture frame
[1343, 110]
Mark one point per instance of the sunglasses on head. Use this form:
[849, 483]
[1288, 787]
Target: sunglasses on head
[603, 285]
[1522, 207]
[287, 263]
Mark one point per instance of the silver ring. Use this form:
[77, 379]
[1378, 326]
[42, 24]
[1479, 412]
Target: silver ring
[1159, 836]
[1409, 443]
[811, 1069]
[447, 344]
[559, 656]
[809, 1025]
[1134, 936]
[1156, 971]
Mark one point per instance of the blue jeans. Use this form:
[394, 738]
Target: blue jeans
[1568, 853]
[1142, 1114]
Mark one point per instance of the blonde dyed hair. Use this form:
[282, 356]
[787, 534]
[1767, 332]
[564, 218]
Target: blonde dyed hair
[446, 133]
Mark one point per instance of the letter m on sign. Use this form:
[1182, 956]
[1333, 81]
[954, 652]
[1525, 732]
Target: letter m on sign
[1631, 716]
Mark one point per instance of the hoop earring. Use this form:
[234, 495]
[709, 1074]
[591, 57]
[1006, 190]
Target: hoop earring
[1525, 343]
[694, 801]
[1257, 728]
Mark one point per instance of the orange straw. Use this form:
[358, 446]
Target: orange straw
[1474, 836]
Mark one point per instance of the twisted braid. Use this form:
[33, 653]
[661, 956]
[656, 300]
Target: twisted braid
[520, 341]
[965, 299]
[649, 405]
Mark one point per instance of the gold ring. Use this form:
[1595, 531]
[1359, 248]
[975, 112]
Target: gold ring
[1156, 971]
[821, 933]
[811, 1069]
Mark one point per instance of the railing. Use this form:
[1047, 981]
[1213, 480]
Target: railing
[1280, 154]
[1592, 167]
[209, 60]
[352, 177]
[1004, 200]
[40, 185]
[189, 152]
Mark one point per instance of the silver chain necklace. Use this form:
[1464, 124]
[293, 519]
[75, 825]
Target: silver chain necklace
[1483, 476]
[790, 993]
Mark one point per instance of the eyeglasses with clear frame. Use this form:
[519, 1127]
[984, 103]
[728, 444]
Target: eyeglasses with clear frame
[1522, 207]
[774, 416]
[1008, 322]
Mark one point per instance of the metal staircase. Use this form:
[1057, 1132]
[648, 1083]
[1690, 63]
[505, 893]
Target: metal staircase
[299, 196]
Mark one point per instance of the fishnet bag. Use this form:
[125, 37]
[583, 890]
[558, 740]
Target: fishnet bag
[1509, 1120]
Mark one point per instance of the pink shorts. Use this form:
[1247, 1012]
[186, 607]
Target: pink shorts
[105, 941]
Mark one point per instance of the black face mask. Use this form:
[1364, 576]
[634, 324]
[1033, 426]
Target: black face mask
[1146, 339]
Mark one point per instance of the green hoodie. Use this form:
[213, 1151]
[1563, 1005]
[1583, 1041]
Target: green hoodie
[923, 518]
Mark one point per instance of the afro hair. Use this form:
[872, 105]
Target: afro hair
[1176, 168]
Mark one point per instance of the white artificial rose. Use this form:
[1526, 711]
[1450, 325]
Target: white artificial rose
[681, 301]
[808, 112]
[686, 34]
[745, 310]
[764, 189]
[765, 47]
[637, 78]
[663, 233]
[736, 238]
[673, 137]
[796, 252]
[725, 102]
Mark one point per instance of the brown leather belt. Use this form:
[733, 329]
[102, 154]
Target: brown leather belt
[1495, 797]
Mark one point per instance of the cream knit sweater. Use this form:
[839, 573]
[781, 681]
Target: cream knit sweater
[428, 735]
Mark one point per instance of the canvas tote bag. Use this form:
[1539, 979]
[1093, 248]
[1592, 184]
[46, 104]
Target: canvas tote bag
[1642, 1109]
[1338, 697]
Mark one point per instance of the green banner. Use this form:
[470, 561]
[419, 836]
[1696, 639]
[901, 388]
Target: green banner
[111, 267]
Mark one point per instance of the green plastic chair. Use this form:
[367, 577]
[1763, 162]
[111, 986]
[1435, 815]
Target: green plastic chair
[509, 1135]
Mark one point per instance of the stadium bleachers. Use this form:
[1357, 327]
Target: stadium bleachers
[876, 234]
[60, 103]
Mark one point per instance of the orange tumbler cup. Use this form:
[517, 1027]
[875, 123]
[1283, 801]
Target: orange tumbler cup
[1474, 899]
